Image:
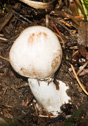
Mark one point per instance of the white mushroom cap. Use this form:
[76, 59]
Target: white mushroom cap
[36, 53]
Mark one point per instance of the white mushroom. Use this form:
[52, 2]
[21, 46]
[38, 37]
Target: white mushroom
[37, 54]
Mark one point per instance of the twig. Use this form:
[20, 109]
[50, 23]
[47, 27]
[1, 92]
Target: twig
[10, 10]
[5, 20]
[81, 85]
[27, 102]
[80, 6]
[1, 35]
[75, 53]
[74, 47]
[62, 41]
[66, 15]
[47, 19]
[63, 25]
[4, 58]
[46, 116]
[78, 17]
[85, 71]
[4, 91]
[23, 85]
[64, 22]
[60, 35]
[82, 67]
[21, 16]
[57, 30]
[4, 39]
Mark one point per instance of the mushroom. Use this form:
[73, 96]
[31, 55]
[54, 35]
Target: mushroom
[36, 54]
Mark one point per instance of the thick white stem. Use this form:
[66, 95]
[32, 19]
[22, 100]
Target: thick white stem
[48, 96]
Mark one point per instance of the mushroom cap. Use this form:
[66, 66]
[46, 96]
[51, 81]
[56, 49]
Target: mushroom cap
[36, 53]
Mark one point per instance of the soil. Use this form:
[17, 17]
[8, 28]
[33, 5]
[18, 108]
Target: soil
[17, 106]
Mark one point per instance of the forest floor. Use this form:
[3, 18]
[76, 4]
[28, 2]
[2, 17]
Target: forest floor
[17, 105]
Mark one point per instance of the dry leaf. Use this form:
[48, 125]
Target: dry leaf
[83, 34]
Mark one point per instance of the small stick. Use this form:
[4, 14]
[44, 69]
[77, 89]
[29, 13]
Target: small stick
[4, 91]
[66, 15]
[78, 17]
[47, 20]
[82, 68]
[64, 26]
[57, 31]
[75, 53]
[79, 6]
[5, 20]
[64, 22]
[62, 41]
[4, 39]
[60, 35]
[46, 17]
[1, 35]
[74, 47]
[4, 58]
[27, 102]
[75, 17]
[46, 116]
[81, 85]
[23, 85]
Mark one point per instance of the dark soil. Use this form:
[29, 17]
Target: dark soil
[17, 105]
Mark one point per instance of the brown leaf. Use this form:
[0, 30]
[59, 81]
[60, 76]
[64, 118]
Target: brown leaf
[83, 34]
[82, 50]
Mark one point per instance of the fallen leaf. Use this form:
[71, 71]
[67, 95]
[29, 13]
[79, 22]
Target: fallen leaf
[83, 33]
[82, 50]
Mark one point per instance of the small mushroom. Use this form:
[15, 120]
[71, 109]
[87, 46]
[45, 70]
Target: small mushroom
[37, 54]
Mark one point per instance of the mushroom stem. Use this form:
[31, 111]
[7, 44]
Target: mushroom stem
[47, 96]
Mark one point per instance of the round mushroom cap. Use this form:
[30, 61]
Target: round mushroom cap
[36, 53]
